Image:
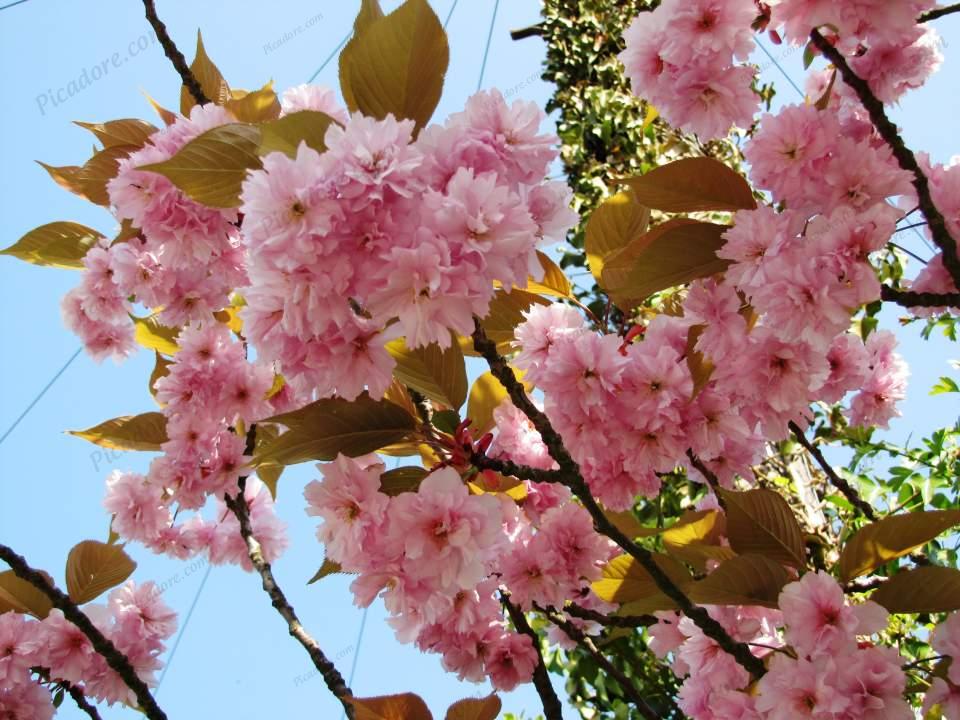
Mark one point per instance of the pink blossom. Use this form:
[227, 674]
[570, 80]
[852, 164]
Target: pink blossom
[138, 509]
[312, 97]
[28, 701]
[511, 660]
[946, 641]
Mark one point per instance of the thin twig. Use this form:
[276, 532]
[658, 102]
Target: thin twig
[938, 12]
[325, 666]
[552, 708]
[711, 477]
[117, 661]
[910, 299]
[508, 467]
[905, 157]
[572, 478]
[173, 53]
[80, 699]
[838, 482]
[617, 621]
[531, 31]
[581, 638]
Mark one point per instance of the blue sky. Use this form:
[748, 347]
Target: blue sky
[235, 659]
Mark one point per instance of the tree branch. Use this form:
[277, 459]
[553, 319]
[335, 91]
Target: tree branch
[838, 482]
[938, 12]
[531, 31]
[585, 641]
[910, 299]
[117, 661]
[508, 467]
[570, 472]
[903, 154]
[552, 708]
[617, 621]
[173, 53]
[76, 693]
[711, 477]
[331, 676]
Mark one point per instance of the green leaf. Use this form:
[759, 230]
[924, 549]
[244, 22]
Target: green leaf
[440, 375]
[58, 244]
[742, 580]
[95, 567]
[326, 428]
[674, 253]
[475, 709]
[695, 184]
[212, 167]
[624, 579]
[760, 522]
[285, 134]
[928, 589]
[329, 567]
[396, 64]
[945, 385]
[208, 75]
[391, 707]
[890, 538]
[149, 333]
[128, 131]
[19, 596]
[611, 227]
[401, 480]
[130, 432]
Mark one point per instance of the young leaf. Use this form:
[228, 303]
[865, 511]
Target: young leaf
[130, 432]
[694, 538]
[554, 281]
[624, 579]
[475, 709]
[208, 75]
[329, 567]
[19, 596]
[396, 64]
[674, 253]
[742, 580]
[760, 522]
[325, 428]
[945, 385]
[95, 567]
[892, 537]
[149, 333]
[211, 167]
[486, 394]
[699, 365]
[391, 707]
[161, 368]
[58, 244]
[620, 220]
[401, 480]
[505, 313]
[696, 184]
[92, 178]
[440, 375]
[285, 134]
[254, 107]
[168, 117]
[928, 589]
[128, 131]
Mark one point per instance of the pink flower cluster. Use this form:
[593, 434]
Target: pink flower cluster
[434, 555]
[945, 692]
[681, 58]
[134, 618]
[383, 226]
[827, 674]
[210, 389]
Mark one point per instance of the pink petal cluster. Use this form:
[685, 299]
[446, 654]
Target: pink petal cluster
[135, 619]
[681, 58]
[382, 227]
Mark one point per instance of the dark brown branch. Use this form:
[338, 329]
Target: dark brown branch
[80, 699]
[332, 676]
[910, 299]
[508, 467]
[617, 621]
[572, 478]
[865, 508]
[552, 708]
[905, 157]
[711, 477]
[938, 12]
[173, 53]
[581, 638]
[117, 661]
[531, 31]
